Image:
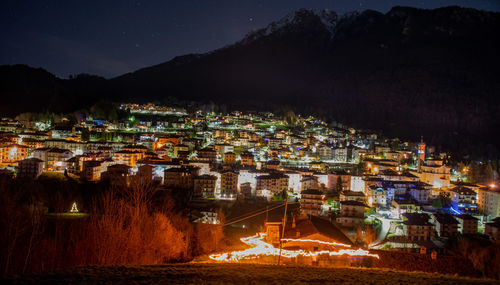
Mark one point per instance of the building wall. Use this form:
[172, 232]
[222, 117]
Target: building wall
[489, 202]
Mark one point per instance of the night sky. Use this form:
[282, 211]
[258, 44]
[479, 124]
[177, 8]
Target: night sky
[109, 38]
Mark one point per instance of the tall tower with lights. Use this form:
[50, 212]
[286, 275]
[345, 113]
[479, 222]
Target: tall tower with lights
[421, 153]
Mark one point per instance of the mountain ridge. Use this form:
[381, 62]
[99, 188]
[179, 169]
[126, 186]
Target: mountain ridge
[408, 72]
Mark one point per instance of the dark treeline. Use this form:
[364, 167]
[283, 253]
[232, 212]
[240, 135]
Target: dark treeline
[135, 224]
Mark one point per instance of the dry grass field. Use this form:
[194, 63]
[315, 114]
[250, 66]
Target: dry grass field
[209, 273]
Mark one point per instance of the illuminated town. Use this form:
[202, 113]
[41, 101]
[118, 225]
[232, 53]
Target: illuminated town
[196, 142]
[372, 192]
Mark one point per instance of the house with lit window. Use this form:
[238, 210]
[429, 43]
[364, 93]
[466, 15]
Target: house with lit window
[309, 182]
[246, 158]
[207, 154]
[268, 185]
[229, 184]
[352, 213]
[416, 227]
[339, 176]
[434, 173]
[92, 170]
[404, 203]
[348, 195]
[311, 201]
[467, 224]
[376, 196]
[445, 224]
[128, 157]
[488, 201]
[12, 153]
[229, 158]
[180, 177]
[76, 148]
[463, 200]
[55, 159]
[204, 186]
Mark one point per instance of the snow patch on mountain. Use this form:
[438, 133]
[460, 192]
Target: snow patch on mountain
[328, 18]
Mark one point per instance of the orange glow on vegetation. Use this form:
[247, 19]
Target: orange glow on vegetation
[261, 248]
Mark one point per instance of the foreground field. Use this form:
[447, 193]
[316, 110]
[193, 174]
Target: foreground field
[237, 273]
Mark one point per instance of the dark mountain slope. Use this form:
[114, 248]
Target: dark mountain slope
[26, 89]
[408, 72]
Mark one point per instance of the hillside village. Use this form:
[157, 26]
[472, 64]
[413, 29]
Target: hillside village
[383, 193]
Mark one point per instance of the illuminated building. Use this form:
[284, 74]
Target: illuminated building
[13, 153]
[136, 148]
[229, 183]
[488, 201]
[274, 183]
[30, 168]
[311, 201]
[76, 148]
[389, 174]
[309, 182]
[333, 179]
[492, 229]
[117, 174]
[223, 148]
[161, 142]
[352, 213]
[179, 149]
[207, 154]
[274, 142]
[128, 157]
[62, 132]
[204, 186]
[325, 152]
[54, 158]
[382, 149]
[464, 200]
[416, 227]
[246, 158]
[420, 192]
[32, 144]
[322, 181]
[445, 224]
[357, 183]
[340, 154]
[95, 146]
[246, 190]
[73, 165]
[434, 173]
[294, 181]
[348, 195]
[403, 204]
[467, 224]
[181, 177]
[376, 196]
[92, 170]
[421, 154]
[249, 175]
[229, 158]
[393, 155]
